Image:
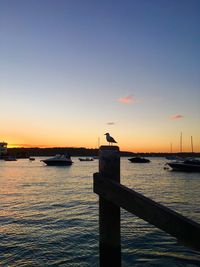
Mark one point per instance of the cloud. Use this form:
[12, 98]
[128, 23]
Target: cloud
[176, 117]
[126, 99]
[110, 123]
[130, 99]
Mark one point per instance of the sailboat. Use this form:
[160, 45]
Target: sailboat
[174, 157]
[171, 157]
[186, 165]
[98, 145]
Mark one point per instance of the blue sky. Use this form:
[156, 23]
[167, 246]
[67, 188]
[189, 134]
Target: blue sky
[68, 67]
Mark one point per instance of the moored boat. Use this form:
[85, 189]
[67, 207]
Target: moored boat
[10, 158]
[58, 160]
[3, 150]
[172, 157]
[86, 159]
[139, 160]
[188, 165]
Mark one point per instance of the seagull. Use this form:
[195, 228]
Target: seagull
[110, 139]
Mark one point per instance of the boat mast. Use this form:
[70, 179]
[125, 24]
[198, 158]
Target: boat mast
[98, 142]
[181, 143]
[192, 144]
[171, 147]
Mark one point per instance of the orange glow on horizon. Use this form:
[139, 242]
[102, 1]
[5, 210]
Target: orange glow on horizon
[27, 146]
[137, 143]
[135, 149]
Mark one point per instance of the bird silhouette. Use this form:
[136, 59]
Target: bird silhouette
[110, 139]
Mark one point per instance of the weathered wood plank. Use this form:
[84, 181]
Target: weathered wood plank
[184, 229]
[109, 213]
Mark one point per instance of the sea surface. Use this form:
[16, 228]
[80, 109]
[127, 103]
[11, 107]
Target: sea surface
[49, 215]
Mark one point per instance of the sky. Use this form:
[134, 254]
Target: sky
[72, 70]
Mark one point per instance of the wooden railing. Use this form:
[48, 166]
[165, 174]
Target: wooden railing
[113, 195]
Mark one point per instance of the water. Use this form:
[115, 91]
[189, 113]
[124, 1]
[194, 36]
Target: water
[49, 215]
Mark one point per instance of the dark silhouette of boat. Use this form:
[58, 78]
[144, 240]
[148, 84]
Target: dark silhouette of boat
[172, 157]
[10, 158]
[86, 159]
[187, 165]
[139, 160]
[58, 160]
[3, 150]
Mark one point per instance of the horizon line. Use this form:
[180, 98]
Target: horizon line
[60, 147]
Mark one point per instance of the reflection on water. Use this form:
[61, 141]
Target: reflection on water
[49, 215]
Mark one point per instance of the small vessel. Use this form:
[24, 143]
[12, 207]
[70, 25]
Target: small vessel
[10, 158]
[86, 159]
[170, 156]
[173, 157]
[31, 158]
[139, 160]
[58, 160]
[187, 165]
[3, 150]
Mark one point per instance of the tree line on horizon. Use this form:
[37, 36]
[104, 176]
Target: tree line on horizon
[27, 152]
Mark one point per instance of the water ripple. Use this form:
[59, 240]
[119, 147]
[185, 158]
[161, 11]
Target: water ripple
[49, 216]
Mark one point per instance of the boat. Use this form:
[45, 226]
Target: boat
[187, 165]
[139, 160]
[31, 158]
[3, 150]
[58, 160]
[10, 158]
[86, 159]
[173, 157]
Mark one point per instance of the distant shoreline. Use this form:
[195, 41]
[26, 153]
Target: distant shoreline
[27, 152]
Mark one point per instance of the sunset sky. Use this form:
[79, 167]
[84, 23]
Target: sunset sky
[72, 70]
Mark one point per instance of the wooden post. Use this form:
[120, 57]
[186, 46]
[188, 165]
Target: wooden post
[109, 213]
